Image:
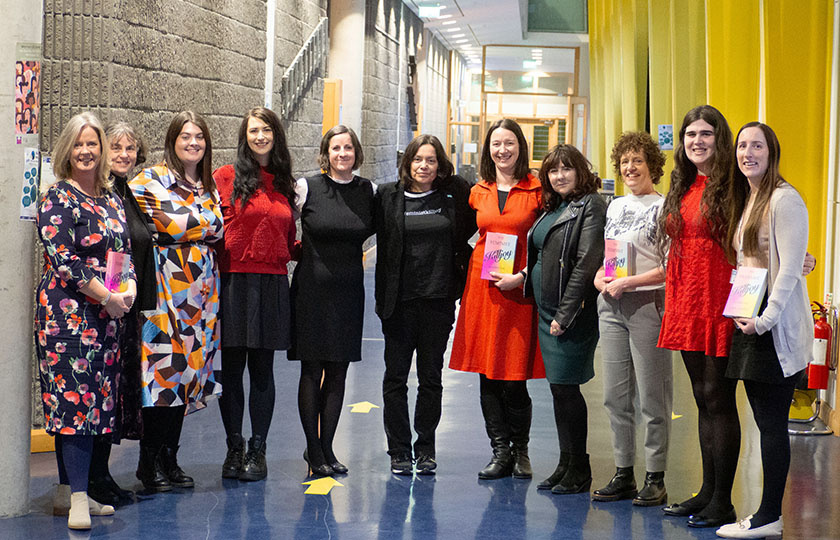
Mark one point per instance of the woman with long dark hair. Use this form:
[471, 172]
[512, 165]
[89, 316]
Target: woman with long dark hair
[768, 228]
[256, 194]
[181, 335]
[328, 293]
[565, 250]
[496, 332]
[423, 224]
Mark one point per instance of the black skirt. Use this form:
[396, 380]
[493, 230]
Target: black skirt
[254, 311]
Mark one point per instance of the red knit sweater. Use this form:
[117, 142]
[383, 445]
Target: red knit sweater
[259, 239]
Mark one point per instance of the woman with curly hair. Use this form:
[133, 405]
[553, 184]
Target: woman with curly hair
[630, 316]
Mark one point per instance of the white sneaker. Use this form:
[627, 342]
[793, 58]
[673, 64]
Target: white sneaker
[741, 529]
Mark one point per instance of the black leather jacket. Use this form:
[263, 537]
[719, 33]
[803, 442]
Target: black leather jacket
[572, 254]
[390, 232]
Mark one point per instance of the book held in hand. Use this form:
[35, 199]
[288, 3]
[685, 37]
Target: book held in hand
[117, 271]
[618, 258]
[747, 292]
[499, 250]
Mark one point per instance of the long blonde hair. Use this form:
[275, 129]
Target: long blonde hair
[63, 150]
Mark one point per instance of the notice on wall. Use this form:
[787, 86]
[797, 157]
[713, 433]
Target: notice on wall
[666, 136]
[29, 186]
[27, 89]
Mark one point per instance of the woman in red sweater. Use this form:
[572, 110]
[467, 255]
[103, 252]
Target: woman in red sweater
[256, 196]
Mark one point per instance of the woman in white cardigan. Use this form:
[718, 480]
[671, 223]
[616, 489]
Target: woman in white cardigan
[768, 228]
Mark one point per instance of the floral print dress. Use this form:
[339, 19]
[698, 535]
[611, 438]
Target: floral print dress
[77, 341]
[181, 335]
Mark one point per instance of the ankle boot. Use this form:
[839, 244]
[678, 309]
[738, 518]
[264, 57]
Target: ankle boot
[495, 422]
[149, 471]
[255, 467]
[235, 458]
[520, 431]
[558, 473]
[79, 517]
[99, 489]
[578, 477]
[622, 486]
[169, 464]
[653, 494]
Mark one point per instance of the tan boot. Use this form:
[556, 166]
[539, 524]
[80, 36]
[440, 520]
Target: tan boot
[97, 509]
[79, 518]
[61, 503]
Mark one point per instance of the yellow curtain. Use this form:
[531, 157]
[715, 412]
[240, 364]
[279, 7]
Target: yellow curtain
[797, 44]
[661, 89]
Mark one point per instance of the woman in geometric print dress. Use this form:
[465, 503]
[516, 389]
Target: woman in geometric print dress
[77, 320]
[181, 336]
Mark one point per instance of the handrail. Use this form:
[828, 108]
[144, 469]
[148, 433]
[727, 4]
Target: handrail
[306, 64]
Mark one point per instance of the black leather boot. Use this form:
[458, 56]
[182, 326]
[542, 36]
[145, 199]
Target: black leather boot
[149, 471]
[255, 467]
[169, 463]
[558, 473]
[520, 432]
[578, 477]
[622, 486]
[654, 493]
[235, 458]
[99, 489]
[496, 424]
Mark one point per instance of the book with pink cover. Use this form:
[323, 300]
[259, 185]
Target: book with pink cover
[747, 292]
[499, 250]
[117, 271]
[618, 258]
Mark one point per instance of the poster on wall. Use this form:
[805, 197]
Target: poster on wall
[29, 186]
[27, 89]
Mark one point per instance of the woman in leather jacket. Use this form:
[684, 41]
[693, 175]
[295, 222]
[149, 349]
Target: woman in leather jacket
[565, 250]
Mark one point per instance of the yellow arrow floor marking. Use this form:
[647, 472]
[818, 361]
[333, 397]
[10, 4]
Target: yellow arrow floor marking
[362, 407]
[674, 416]
[321, 486]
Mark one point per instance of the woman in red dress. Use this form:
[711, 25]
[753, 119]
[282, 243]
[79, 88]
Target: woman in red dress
[496, 333]
[694, 218]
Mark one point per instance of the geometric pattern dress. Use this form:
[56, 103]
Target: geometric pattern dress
[77, 341]
[180, 348]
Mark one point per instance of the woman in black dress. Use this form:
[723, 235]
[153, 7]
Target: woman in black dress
[328, 296]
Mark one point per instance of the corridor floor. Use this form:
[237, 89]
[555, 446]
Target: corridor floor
[371, 503]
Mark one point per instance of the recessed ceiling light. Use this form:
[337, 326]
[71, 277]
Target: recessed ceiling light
[454, 28]
[453, 36]
[444, 23]
[461, 40]
[445, 17]
[536, 51]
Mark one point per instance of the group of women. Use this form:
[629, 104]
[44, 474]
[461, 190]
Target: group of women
[208, 283]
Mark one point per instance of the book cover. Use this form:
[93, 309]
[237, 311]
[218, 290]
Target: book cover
[747, 293]
[618, 258]
[117, 271]
[499, 250]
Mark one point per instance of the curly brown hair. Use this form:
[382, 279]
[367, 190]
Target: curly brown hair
[586, 181]
[639, 141]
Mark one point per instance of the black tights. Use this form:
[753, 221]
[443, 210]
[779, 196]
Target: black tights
[320, 403]
[162, 426]
[514, 394]
[719, 428]
[260, 364]
[570, 416]
[771, 407]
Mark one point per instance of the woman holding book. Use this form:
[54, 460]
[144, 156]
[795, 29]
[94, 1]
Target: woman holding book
[423, 224]
[256, 194]
[181, 335]
[78, 320]
[328, 292]
[565, 250]
[496, 332]
[632, 287]
[768, 229]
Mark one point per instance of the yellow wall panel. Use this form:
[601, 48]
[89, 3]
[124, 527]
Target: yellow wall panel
[688, 57]
[659, 51]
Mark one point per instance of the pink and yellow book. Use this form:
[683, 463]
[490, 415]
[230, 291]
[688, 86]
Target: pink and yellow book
[747, 292]
[618, 258]
[499, 250]
[117, 271]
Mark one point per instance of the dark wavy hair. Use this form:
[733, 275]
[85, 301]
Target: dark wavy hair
[247, 179]
[444, 166]
[642, 142]
[714, 205]
[324, 154]
[171, 158]
[586, 181]
[487, 169]
[739, 192]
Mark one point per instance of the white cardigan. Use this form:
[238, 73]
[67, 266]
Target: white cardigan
[788, 311]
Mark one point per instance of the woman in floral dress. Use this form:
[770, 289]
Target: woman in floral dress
[181, 335]
[77, 319]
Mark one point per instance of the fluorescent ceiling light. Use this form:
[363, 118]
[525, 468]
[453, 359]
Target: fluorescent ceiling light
[465, 40]
[453, 36]
[454, 28]
[447, 22]
[529, 64]
[536, 51]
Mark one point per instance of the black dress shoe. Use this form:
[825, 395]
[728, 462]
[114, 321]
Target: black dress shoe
[317, 470]
[339, 467]
[701, 521]
[558, 473]
[681, 509]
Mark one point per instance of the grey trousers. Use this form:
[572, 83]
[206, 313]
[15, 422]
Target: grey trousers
[629, 330]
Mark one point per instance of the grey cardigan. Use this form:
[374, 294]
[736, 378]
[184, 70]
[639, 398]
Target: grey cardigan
[788, 311]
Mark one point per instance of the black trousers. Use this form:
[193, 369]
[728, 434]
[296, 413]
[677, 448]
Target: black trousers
[422, 326]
